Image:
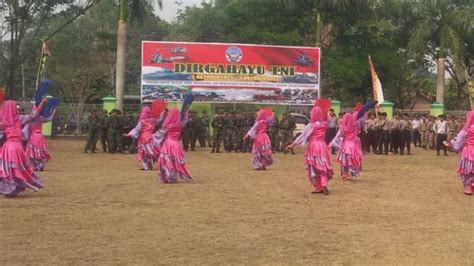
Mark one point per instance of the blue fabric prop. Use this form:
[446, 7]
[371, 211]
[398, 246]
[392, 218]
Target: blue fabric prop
[42, 90]
[366, 108]
[50, 105]
[188, 100]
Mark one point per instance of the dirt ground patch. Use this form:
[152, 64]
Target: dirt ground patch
[100, 209]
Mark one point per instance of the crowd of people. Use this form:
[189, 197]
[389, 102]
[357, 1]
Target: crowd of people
[162, 137]
[228, 130]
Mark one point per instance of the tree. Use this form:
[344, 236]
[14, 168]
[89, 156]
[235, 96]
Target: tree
[135, 8]
[439, 34]
[83, 58]
[25, 22]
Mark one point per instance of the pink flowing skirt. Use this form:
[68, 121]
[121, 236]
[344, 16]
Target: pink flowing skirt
[171, 163]
[465, 166]
[15, 172]
[37, 150]
[318, 160]
[262, 151]
[148, 151]
[350, 157]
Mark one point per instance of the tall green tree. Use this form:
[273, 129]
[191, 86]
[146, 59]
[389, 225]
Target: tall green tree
[439, 33]
[134, 8]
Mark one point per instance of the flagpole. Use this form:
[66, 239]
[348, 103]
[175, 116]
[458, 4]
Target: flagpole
[377, 108]
[39, 66]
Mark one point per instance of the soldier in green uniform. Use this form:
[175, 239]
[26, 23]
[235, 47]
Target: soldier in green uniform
[204, 130]
[114, 135]
[189, 132]
[246, 124]
[128, 124]
[237, 133]
[228, 131]
[94, 130]
[273, 133]
[104, 122]
[218, 132]
[287, 126]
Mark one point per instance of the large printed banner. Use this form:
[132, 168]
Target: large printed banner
[221, 72]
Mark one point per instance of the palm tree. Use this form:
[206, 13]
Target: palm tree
[136, 8]
[439, 34]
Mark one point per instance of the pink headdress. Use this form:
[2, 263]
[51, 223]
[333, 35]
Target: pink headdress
[348, 123]
[317, 114]
[264, 113]
[146, 113]
[469, 120]
[9, 115]
[173, 119]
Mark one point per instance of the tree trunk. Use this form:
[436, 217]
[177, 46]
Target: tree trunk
[440, 81]
[121, 62]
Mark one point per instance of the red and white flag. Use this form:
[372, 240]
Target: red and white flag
[376, 85]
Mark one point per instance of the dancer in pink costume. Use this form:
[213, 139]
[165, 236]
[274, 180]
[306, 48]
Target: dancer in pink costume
[464, 142]
[350, 152]
[36, 144]
[262, 147]
[171, 163]
[148, 148]
[317, 157]
[16, 173]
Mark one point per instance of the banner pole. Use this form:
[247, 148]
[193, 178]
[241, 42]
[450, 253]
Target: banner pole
[39, 66]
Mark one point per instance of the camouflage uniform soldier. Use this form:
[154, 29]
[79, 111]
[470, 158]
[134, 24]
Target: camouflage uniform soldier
[228, 132]
[237, 133]
[218, 132]
[114, 134]
[453, 128]
[105, 119]
[204, 130]
[273, 133]
[128, 124]
[94, 130]
[287, 126]
[189, 132]
[246, 123]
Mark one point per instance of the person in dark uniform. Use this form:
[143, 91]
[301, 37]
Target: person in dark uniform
[228, 132]
[237, 133]
[386, 137]
[405, 133]
[218, 132]
[287, 127]
[189, 132]
[93, 134]
[104, 129]
[273, 133]
[114, 135]
[204, 130]
[332, 129]
[395, 133]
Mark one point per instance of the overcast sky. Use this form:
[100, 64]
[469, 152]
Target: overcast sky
[171, 7]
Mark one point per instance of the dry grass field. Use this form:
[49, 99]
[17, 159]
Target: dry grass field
[100, 209]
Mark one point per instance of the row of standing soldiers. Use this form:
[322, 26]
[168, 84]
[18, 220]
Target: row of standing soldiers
[229, 129]
[381, 135]
[110, 128]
